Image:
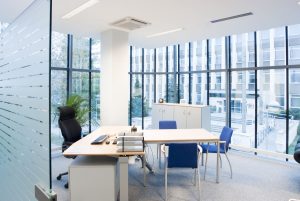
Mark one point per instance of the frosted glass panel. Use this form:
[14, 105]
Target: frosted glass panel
[24, 104]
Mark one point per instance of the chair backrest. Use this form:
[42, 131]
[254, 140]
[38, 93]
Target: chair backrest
[226, 136]
[183, 155]
[69, 126]
[167, 125]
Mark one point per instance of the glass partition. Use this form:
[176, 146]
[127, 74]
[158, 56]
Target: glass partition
[24, 103]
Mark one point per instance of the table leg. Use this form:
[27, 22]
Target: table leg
[123, 161]
[144, 167]
[218, 162]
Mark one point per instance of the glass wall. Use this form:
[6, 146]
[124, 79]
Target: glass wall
[251, 82]
[24, 103]
[75, 70]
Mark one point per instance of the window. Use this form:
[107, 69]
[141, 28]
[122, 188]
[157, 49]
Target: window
[257, 83]
[73, 73]
[216, 53]
[198, 55]
[96, 54]
[242, 50]
[217, 101]
[59, 50]
[271, 47]
[80, 57]
[271, 111]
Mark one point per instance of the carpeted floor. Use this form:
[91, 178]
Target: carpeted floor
[254, 179]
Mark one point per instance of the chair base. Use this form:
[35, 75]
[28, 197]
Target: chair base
[59, 178]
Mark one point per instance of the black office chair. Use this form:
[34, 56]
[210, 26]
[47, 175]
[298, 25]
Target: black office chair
[70, 130]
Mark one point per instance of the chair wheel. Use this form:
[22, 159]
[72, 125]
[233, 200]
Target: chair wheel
[58, 177]
[66, 185]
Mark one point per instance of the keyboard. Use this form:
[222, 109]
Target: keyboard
[100, 139]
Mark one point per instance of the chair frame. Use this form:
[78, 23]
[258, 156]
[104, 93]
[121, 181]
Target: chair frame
[196, 172]
[225, 152]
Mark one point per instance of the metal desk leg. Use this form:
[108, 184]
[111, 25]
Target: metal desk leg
[123, 161]
[144, 167]
[218, 158]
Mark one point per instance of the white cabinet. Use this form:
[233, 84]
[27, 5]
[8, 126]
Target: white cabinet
[186, 116]
[162, 112]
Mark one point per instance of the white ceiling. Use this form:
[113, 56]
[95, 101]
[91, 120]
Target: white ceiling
[193, 16]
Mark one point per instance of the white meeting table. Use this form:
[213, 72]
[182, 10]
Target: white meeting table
[83, 147]
[164, 136]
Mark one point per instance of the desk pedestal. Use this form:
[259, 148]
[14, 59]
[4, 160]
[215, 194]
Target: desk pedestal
[123, 162]
[94, 178]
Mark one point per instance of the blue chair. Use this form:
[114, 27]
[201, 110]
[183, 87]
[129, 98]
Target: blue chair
[164, 125]
[182, 155]
[225, 140]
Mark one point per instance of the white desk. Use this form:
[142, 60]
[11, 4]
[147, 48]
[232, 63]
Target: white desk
[83, 147]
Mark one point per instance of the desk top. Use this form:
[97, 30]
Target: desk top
[178, 135]
[83, 147]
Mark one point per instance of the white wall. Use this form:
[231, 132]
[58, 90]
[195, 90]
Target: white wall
[114, 84]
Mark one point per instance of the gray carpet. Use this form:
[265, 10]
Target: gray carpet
[254, 179]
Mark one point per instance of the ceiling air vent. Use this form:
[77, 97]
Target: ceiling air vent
[231, 17]
[130, 23]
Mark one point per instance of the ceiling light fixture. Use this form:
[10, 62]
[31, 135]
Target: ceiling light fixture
[231, 17]
[81, 8]
[164, 33]
[299, 3]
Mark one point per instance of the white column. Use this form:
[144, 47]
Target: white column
[114, 81]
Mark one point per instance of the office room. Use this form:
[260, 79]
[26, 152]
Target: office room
[136, 100]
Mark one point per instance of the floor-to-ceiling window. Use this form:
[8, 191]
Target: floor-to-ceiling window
[75, 70]
[294, 86]
[242, 50]
[251, 82]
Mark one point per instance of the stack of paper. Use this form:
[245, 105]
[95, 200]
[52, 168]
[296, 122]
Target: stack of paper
[130, 141]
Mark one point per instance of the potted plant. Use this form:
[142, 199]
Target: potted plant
[80, 106]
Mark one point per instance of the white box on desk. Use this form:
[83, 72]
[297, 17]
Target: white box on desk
[94, 178]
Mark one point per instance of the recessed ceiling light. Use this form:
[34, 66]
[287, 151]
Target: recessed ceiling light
[81, 8]
[298, 2]
[164, 33]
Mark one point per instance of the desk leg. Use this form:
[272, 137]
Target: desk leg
[144, 167]
[123, 161]
[218, 161]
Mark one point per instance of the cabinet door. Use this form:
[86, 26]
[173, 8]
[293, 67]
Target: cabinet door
[168, 112]
[157, 115]
[193, 117]
[205, 118]
[180, 116]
